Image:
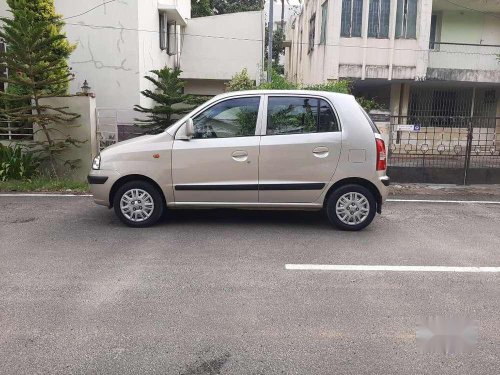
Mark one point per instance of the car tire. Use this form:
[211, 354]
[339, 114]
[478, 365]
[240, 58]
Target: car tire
[351, 207]
[138, 204]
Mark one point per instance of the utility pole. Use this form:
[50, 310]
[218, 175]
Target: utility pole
[270, 42]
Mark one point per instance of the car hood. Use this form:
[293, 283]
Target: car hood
[134, 143]
[141, 139]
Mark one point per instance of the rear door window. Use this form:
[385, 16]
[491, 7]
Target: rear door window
[299, 115]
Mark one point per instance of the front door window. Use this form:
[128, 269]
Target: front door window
[230, 118]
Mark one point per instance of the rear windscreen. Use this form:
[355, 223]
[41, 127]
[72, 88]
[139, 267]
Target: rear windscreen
[370, 121]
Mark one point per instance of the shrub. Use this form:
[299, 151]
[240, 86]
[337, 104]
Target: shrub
[241, 81]
[278, 82]
[368, 104]
[16, 164]
[342, 86]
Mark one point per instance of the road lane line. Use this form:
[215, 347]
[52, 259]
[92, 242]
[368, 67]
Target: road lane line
[440, 201]
[42, 195]
[347, 267]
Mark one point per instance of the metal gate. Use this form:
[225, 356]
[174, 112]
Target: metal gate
[115, 125]
[444, 149]
[449, 134]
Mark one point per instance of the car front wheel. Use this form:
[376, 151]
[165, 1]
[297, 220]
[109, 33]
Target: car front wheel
[138, 204]
[351, 207]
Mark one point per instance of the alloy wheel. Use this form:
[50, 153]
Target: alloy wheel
[352, 208]
[137, 205]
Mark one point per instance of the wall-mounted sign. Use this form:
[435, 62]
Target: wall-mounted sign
[408, 127]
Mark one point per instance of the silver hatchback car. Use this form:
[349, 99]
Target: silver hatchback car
[304, 150]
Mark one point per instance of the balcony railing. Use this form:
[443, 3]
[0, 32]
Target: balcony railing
[464, 56]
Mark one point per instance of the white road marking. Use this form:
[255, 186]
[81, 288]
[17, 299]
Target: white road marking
[43, 195]
[347, 267]
[440, 201]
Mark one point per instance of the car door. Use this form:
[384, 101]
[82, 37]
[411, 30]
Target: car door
[300, 150]
[220, 162]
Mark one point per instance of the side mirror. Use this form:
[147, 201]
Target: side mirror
[189, 128]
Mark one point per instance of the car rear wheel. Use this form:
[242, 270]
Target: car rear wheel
[138, 204]
[351, 207]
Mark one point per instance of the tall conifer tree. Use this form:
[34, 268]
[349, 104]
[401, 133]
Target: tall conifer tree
[36, 60]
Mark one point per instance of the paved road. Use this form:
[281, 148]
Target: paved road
[206, 292]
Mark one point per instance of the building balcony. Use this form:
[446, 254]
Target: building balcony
[177, 10]
[464, 62]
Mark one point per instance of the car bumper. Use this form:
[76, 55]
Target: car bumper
[383, 187]
[101, 182]
[97, 180]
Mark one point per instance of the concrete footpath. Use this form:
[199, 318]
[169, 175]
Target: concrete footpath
[462, 192]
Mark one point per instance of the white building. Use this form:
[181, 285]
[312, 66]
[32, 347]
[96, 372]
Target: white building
[415, 56]
[120, 42]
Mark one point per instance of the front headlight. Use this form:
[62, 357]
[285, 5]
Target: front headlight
[96, 164]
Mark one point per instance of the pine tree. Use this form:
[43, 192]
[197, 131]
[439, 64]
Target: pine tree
[170, 102]
[36, 59]
[201, 8]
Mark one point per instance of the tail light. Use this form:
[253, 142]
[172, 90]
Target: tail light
[381, 156]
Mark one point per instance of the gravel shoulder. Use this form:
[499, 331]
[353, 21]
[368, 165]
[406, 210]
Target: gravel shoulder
[482, 192]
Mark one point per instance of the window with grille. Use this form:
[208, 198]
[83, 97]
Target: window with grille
[352, 18]
[324, 22]
[434, 35]
[172, 39]
[439, 106]
[378, 18]
[312, 33]
[163, 31]
[406, 19]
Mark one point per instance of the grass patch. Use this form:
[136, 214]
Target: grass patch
[41, 184]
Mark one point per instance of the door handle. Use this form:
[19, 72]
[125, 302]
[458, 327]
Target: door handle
[240, 155]
[321, 152]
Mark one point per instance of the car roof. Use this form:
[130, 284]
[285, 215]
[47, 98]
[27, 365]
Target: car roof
[283, 92]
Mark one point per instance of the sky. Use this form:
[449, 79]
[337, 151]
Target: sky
[290, 7]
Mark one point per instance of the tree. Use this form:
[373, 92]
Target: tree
[201, 8]
[278, 48]
[233, 6]
[170, 102]
[278, 82]
[41, 15]
[241, 81]
[36, 59]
